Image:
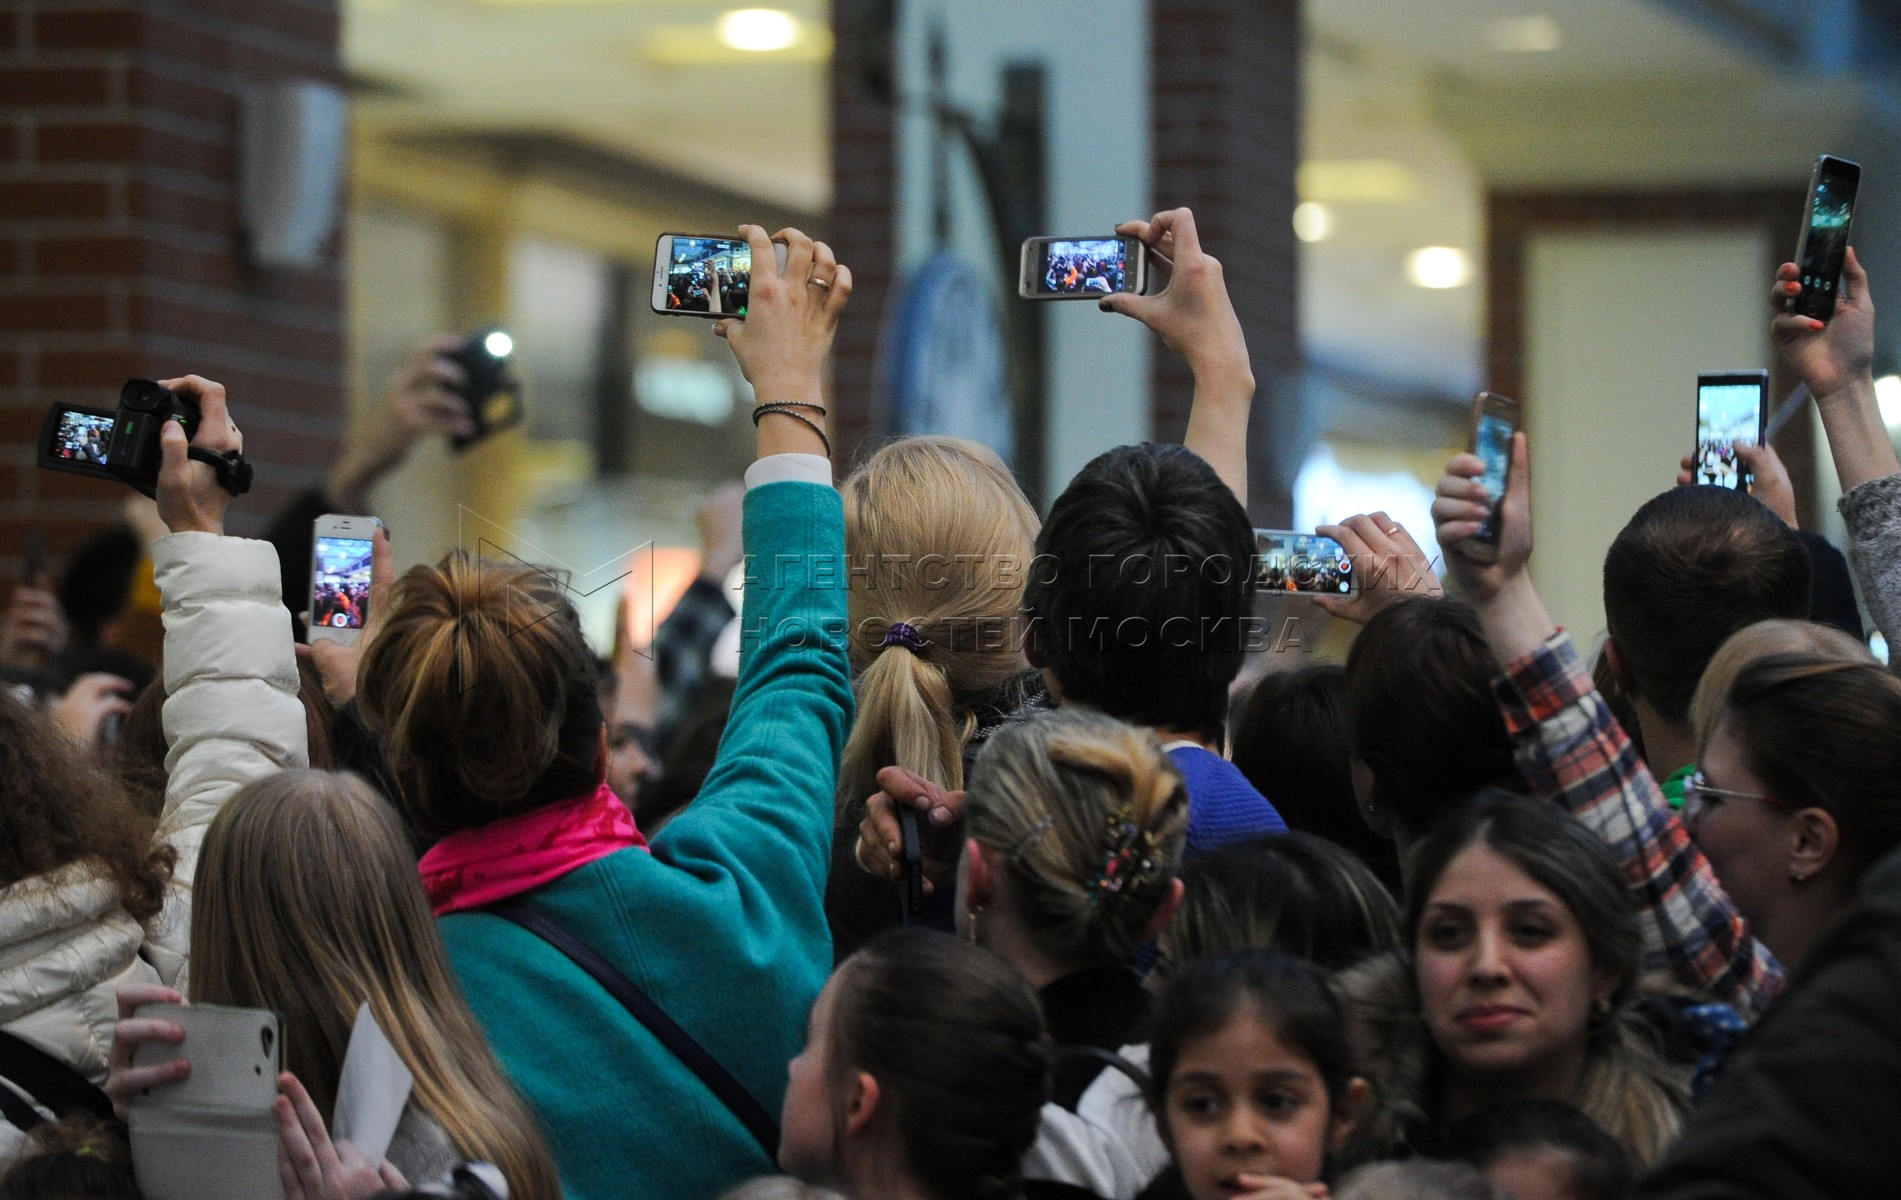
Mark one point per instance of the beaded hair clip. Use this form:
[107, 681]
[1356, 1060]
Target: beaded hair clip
[1131, 856]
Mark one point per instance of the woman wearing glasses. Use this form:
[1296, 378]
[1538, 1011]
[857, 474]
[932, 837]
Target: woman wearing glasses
[1799, 744]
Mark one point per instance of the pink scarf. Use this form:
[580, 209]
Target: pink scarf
[477, 867]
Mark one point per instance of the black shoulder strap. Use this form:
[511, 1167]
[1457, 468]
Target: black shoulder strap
[1108, 1058]
[56, 1086]
[718, 1080]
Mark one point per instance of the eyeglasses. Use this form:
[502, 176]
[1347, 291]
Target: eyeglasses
[1699, 797]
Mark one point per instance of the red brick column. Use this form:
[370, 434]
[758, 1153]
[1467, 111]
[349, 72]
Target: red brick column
[1226, 93]
[120, 251]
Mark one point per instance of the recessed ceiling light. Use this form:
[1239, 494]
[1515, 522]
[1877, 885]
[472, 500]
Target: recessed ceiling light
[758, 29]
[1313, 222]
[1524, 35]
[1439, 267]
[1888, 396]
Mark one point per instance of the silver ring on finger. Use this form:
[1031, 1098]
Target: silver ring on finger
[816, 282]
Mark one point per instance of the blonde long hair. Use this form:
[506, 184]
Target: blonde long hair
[939, 537]
[307, 901]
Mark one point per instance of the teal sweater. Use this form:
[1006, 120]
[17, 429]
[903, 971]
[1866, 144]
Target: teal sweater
[722, 924]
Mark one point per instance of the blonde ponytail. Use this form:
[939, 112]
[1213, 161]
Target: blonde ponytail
[938, 540]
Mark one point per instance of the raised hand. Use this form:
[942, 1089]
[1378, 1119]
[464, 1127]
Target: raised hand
[190, 498]
[123, 1080]
[1462, 505]
[1830, 357]
[1388, 563]
[311, 1166]
[335, 662]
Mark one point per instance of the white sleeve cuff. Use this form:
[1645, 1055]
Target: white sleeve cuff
[790, 468]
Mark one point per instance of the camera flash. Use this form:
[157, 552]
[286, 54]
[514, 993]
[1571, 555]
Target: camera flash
[498, 344]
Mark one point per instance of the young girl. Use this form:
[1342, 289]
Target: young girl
[1252, 1077]
[925, 1067]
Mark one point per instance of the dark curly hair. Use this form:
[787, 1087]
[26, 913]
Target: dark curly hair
[57, 808]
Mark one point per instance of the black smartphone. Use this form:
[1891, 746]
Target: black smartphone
[1081, 268]
[1731, 408]
[493, 394]
[1824, 246]
[704, 275]
[1495, 420]
[1287, 563]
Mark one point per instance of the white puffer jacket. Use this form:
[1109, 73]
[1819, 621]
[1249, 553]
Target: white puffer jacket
[231, 715]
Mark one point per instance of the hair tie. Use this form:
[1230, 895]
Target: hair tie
[904, 635]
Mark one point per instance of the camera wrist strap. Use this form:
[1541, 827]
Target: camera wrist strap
[234, 474]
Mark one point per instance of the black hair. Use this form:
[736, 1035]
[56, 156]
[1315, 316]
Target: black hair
[1292, 996]
[1291, 892]
[955, 1037]
[1691, 567]
[1422, 713]
[1139, 591]
[1558, 852]
[1598, 1165]
[1292, 741]
[75, 1158]
[97, 584]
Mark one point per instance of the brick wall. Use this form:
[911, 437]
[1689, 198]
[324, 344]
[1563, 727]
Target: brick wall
[120, 252]
[863, 225]
[1226, 87]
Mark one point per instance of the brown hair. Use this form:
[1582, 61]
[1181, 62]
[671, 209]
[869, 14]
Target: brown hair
[1062, 795]
[138, 757]
[307, 901]
[1823, 731]
[58, 809]
[77, 1157]
[483, 692]
[918, 500]
[956, 1039]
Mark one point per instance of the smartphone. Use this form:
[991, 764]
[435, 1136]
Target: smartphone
[1082, 268]
[340, 554]
[77, 440]
[1302, 564]
[1823, 250]
[1494, 421]
[701, 275]
[492, 393]
[1731, 408]
[213, 1134]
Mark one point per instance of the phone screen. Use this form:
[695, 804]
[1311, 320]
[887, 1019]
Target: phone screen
[340, 590]
[82, 437]
[1081, 267]
[1825, 241]
[1493, 445]
[709, 275]
[1304, 563]
[1728, 415]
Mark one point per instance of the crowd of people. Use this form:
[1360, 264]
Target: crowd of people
[1085, 267]
[847, 896]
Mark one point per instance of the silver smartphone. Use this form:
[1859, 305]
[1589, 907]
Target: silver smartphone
[1731, 410]
[1082, 268]
[340, 555]
[704, 275]
[1287, 563]
[213, 1134]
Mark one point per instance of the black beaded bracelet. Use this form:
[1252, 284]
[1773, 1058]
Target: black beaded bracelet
[785, 409]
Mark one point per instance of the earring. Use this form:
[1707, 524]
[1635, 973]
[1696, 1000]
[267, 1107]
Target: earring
[971, 916]
[1796, 875]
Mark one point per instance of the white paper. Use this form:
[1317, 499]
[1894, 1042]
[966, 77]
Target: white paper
[372, 1091]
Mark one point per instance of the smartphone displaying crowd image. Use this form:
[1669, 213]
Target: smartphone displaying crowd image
[1729, 413]
[1302, 564]
[702, 275]
[340, 577]
[1081, 268]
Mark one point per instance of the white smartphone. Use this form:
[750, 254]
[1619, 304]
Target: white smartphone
[211, 1135]
[704, 275]
[1287, 563]
[1082, 268]
[340, 556]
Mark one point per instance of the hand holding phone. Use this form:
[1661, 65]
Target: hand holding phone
[1731, 408]
[335, 648]
[341, 556]
[1287, 563]
[1822, 251]
[705, 274]
[1391, 566]
[1494, 422]
[210, 1131]
[1082, 268]
[1463, 505]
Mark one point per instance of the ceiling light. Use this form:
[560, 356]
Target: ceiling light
[758, 29]
[1357, 180]
[1888, 396]
[1439, 267]
[1524, 35]
[1313, 222]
